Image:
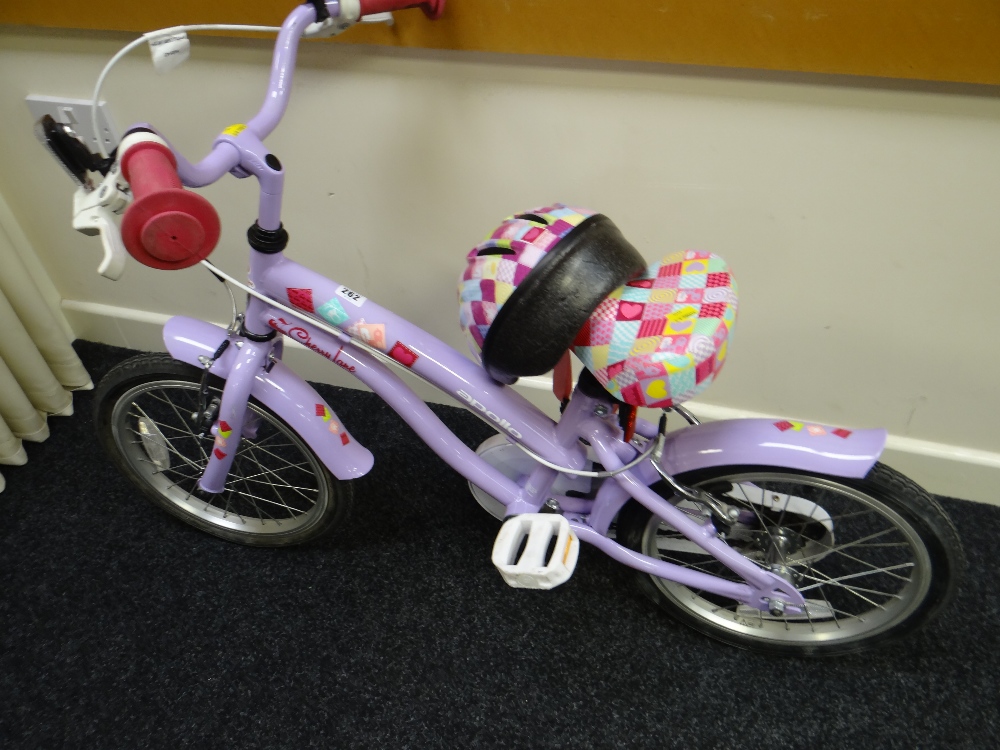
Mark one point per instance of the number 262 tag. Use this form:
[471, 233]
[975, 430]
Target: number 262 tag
[351, 296]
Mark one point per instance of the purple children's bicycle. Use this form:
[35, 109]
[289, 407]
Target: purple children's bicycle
[785, 536]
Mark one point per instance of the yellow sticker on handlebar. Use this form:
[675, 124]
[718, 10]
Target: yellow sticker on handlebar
[234, 130]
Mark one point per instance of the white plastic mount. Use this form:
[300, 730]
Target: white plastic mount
[169, 48]
[77, 114]
[534, 534]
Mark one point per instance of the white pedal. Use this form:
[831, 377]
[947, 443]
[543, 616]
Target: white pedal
[548, 551]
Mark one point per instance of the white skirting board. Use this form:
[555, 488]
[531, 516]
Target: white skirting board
[948, 470]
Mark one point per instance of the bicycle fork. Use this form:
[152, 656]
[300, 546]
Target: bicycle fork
[231, 421]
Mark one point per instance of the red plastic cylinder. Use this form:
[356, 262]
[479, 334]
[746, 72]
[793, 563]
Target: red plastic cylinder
[432, 8]
[165, 226]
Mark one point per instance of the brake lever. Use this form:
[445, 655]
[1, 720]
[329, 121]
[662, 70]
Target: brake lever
[93, 214]
[385, 18]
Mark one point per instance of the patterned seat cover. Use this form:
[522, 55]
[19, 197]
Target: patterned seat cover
[662, 338]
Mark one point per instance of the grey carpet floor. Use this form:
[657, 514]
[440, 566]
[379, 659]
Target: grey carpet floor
[121, 628]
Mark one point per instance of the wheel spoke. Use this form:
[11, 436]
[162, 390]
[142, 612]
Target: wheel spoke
[169, 446]
[158, 425]
[760, 519]
[254, 478]
[166, 399]
[273, 436]
[164, 426]
[276, 485]
[840, 550]
[227, 496]
[288, 464]
[857, 575]
[860, 565]
[253, 500]
[826, 580]
[143, 415]
[268, 473]
[250, 496]
[827, 602]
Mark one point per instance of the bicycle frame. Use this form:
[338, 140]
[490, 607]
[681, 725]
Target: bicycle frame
[358, 327]
[254, 367]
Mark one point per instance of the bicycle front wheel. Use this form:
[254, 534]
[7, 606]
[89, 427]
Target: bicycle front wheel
[874, 558]
[277, 493]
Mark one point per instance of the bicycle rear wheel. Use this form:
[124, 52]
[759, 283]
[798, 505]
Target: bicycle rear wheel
[277, 493]
[875, 558]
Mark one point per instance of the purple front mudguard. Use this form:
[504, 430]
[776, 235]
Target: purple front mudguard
[764, 442]
[281, 390]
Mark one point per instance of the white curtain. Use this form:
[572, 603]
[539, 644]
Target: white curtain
[38, 367]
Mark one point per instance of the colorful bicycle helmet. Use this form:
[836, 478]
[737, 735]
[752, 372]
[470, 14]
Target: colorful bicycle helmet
[529, 288]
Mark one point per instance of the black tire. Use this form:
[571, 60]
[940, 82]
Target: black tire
[278, 492]
[905, 559]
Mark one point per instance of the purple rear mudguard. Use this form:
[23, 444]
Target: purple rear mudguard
[736, 442]
[764, 442]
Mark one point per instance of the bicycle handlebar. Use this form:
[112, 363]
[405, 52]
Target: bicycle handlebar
[431, 8]
[166, 226]
[219, 161]
[170, 228]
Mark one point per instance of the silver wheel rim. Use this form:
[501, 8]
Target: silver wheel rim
[274, 487]
[863, 567]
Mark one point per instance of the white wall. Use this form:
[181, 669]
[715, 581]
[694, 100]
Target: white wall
[861, 218]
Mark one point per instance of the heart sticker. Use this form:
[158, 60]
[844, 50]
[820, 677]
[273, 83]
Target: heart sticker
[402, 354]
[630, 310]
[657, 389]
[679, 326]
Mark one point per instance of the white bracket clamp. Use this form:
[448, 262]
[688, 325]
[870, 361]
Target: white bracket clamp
[535, 532]
[168, 47]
